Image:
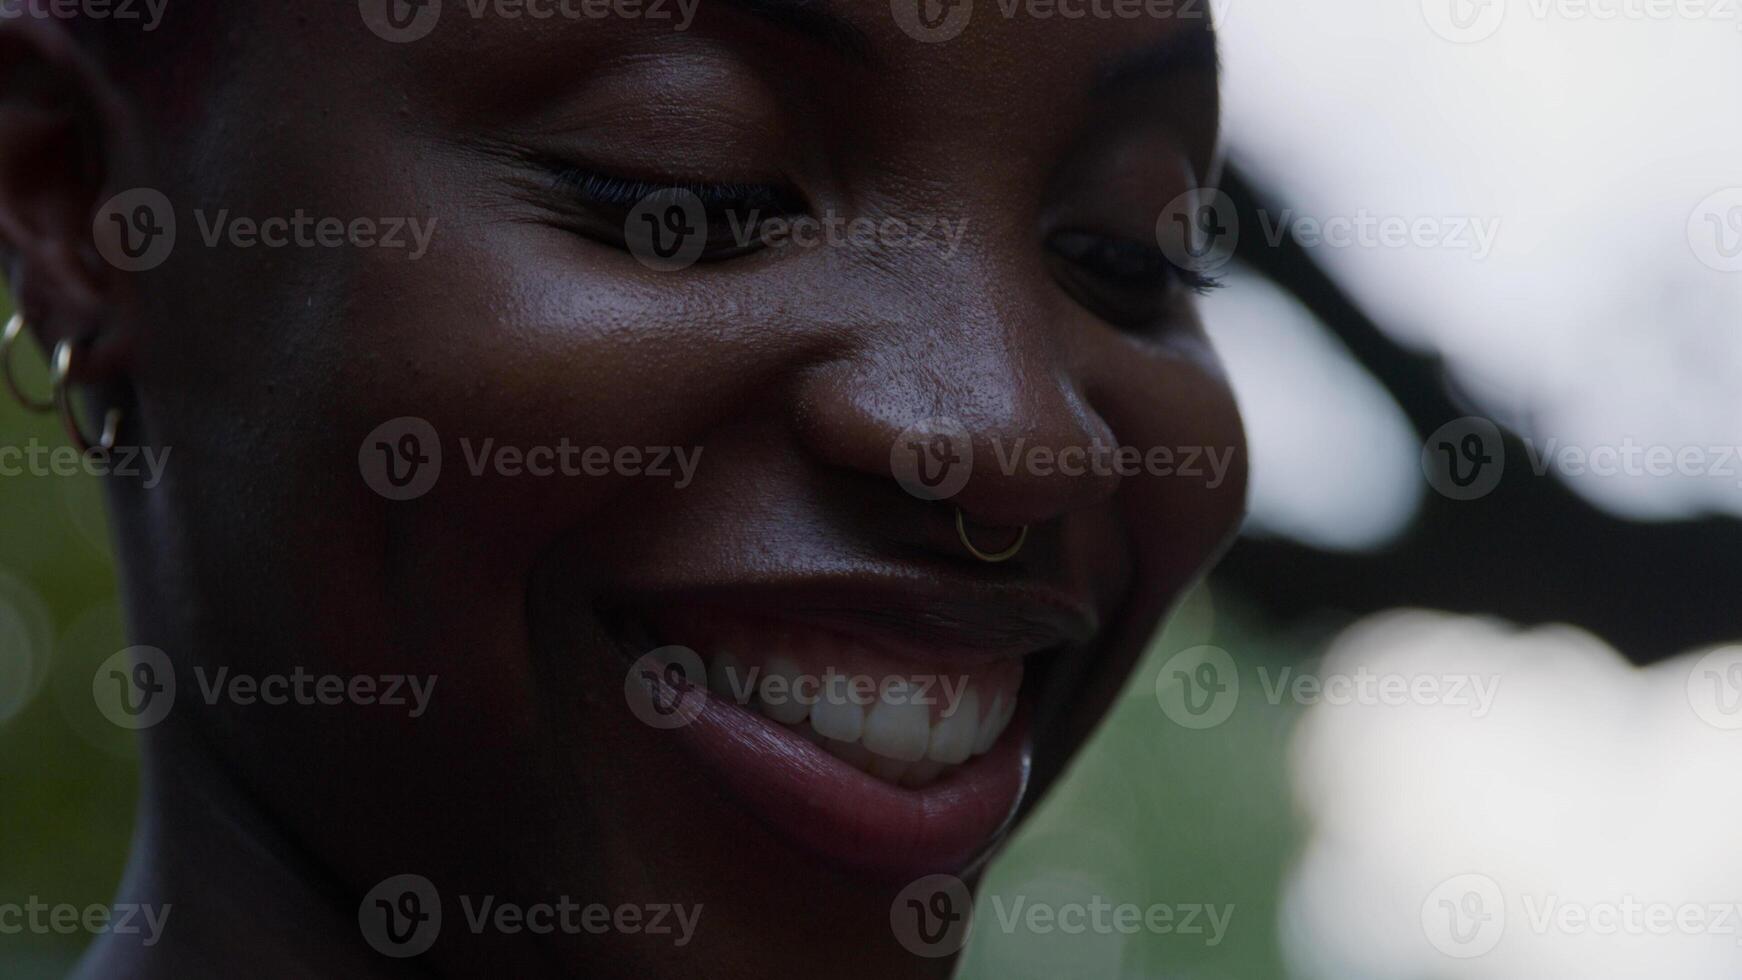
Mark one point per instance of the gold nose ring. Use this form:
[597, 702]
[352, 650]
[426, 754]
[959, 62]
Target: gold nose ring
[990, 557]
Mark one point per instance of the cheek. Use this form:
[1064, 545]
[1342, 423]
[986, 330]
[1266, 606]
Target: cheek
[555, 387]
[1185, 458]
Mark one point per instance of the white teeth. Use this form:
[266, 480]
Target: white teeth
[953, 735]
[778, 700]
[837, 717]
[992, 726]
[900, 730]
[893, 739]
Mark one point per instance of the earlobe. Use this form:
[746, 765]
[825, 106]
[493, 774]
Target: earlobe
[62, 126]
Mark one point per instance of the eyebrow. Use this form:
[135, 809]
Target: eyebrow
[1192, 49]
[1189, 49]
[808, 19]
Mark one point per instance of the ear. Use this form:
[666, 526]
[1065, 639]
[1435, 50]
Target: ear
[63, 127]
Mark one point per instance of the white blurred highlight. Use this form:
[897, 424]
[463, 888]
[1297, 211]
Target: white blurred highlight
[1592, 142]
[1590, 782]
[1334, 462]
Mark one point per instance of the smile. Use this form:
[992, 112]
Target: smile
[899, 724]
[887, 750]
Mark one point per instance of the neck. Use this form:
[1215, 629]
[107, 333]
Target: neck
[222, 884]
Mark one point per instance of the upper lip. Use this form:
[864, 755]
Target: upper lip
[963, 621]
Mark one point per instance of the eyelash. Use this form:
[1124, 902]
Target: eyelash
[1120, 262]
[624, 193]
[1198, 282]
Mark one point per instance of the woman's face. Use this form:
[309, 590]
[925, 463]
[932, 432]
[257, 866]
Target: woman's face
[981, 263]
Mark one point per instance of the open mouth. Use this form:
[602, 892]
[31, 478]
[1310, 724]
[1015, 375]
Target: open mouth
[878, 747]
[899, 722]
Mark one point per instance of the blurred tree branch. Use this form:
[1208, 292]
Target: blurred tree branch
[1532, 551]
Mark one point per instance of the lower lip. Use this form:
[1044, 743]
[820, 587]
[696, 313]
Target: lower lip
[848, 817]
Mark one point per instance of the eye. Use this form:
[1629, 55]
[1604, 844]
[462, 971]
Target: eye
[1127, 283]
[601, 204]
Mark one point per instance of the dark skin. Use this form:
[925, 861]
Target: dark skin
[795, 369]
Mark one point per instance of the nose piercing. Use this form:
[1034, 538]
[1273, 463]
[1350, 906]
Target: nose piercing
[990, 557]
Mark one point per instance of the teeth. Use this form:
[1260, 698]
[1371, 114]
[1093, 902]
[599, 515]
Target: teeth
[954, 735]
[725, 671]
[992, 726]
[778, 700]
[893, 739]
[836, 716]
[898, 729]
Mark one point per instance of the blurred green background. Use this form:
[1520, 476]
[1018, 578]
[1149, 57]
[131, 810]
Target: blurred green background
[1154, 813]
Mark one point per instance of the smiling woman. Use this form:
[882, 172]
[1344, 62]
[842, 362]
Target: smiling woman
[799, 694]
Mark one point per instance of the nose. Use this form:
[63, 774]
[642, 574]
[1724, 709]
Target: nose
[984, 413]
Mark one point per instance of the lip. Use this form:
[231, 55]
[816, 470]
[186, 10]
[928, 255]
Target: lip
[848, 817]
[924, 624]
[837, 812]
